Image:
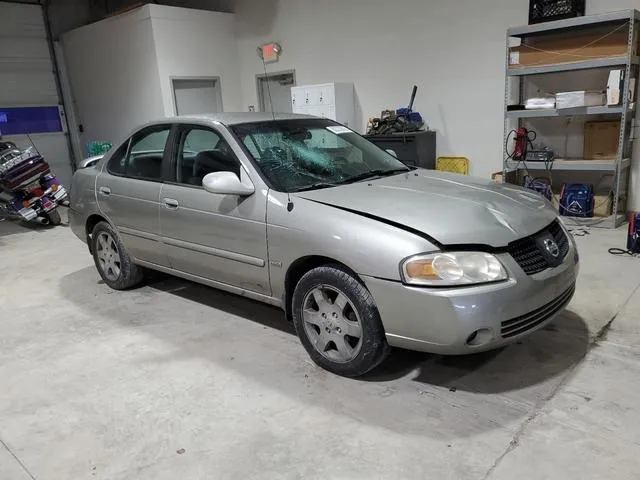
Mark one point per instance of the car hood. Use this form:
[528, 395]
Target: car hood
[452, 209]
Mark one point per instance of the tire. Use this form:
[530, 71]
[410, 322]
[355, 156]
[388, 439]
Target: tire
[338, 322]
[54, 217]
[114, 264]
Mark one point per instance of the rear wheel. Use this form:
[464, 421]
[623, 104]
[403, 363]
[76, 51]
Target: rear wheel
[54, 217]
[114, 264]
[338, 322]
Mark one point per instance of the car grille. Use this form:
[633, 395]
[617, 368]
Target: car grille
[524, 323]
[528, 255]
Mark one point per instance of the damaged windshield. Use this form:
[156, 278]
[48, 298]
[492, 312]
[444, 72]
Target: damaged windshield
[306, 154]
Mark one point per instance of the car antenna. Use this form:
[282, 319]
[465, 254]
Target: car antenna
[273, 115]
[33, 144]
[266, 79]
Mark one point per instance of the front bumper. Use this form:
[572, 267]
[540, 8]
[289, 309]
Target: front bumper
[444, 320]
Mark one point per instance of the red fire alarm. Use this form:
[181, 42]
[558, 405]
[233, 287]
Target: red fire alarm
[269, 52]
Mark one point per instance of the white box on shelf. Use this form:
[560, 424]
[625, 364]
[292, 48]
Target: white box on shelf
[581, 98]
[540, 103]
[615, 86]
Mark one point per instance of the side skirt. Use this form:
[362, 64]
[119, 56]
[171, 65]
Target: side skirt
[277, 302]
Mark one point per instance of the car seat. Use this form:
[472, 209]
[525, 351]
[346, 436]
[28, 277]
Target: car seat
[148, 166]
[209, 161]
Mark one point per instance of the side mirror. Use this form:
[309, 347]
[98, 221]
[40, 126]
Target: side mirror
[90, 162]
[226, 183]
[391, 152]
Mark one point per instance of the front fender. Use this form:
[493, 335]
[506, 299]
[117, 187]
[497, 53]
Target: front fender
[367, 246]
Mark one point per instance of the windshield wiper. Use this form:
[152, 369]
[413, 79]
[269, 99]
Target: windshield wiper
[378, 172]
[314, 186]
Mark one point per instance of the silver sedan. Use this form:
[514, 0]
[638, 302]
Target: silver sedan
[362, 252]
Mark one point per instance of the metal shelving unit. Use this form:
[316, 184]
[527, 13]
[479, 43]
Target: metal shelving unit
[576, 23]
[566, 112]
[619, 167]
[572, 66]
[559, 165]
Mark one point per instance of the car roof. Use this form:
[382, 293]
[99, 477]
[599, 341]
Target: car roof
[227, 119]
[233, 118]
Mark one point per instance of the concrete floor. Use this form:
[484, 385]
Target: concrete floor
[174, 380]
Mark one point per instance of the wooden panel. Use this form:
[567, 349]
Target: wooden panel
[571, 47]
[601, 140]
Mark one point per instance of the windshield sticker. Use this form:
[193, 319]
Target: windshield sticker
[338, 129]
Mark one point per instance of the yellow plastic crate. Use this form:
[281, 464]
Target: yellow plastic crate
[453, 164]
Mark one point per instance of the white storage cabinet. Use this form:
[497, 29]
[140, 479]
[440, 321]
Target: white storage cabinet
[327, 100]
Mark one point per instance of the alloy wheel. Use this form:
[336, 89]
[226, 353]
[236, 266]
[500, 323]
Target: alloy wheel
[332, 324]
[108, 256]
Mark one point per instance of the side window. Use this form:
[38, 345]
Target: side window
[146, 152]
[141, 156]
[117, 163]
[203, 151]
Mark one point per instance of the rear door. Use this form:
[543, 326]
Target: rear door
[128, 192]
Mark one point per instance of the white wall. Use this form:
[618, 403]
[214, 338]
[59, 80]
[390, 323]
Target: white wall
[196, 43]
[385, 48]
[454, 50]
[113, 73]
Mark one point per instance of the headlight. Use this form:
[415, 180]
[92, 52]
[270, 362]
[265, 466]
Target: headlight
[452, 268]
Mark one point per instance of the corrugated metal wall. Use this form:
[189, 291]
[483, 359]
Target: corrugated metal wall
[27, 77]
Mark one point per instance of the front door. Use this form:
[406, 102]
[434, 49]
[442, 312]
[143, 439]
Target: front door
[219, 237]
[128, 192]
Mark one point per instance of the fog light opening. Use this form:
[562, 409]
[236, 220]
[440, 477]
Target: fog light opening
[479, 337]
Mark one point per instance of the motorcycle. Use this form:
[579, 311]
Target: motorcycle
[28, 189]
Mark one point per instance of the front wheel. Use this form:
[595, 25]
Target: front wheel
[338, 322]
[54, 217]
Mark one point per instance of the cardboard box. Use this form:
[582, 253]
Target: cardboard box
[602, 204]
[569, 47]
[579, 99]
[615, 87]
[498, 176]
[601, 140]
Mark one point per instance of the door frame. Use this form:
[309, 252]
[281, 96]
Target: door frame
[174, 102]
[262, 76]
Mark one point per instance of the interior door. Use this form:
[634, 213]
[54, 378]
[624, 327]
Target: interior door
[195, 96]
[275, 93]
[128, 192]
[219, 237]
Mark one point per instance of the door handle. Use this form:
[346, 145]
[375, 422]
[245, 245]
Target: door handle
[105, 190]
[170, 202]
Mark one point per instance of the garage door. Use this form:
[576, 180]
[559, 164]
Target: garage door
[29, 101]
